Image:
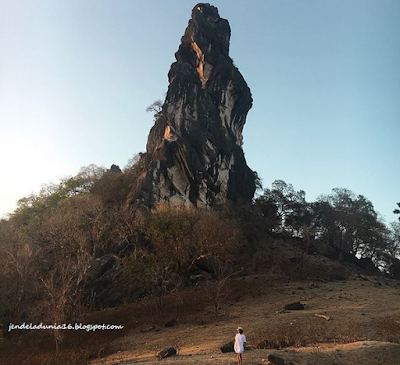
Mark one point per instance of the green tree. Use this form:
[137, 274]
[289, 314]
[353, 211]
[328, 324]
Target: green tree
[284, 208]
[397, 211]
[394, 239]
[352, 223]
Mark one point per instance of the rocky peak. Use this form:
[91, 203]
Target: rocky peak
[194, 148]
[206, 39]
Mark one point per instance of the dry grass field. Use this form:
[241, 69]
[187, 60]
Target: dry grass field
[362, 315]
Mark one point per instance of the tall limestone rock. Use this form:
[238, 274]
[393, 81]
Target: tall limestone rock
[194, 150]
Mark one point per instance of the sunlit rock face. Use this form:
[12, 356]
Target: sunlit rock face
[195, 147]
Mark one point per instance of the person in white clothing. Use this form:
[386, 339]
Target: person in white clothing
[240, 340]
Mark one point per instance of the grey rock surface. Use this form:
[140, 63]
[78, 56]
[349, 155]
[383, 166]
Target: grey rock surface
[194, 150]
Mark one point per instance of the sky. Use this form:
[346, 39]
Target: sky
[77, 76]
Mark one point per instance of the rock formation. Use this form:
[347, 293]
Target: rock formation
[194, 150]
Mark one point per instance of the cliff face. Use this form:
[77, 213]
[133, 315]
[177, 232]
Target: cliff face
[194, 149]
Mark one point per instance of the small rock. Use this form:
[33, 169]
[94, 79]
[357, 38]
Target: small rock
[267, 345]
[170, 323]
[148, 329]
[169, 351]
[294, 306]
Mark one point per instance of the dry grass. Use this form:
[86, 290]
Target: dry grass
[354, 307]
[388, 328]
[362, 309]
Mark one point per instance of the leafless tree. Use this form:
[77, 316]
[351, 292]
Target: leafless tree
[155, 107]
[216, 288]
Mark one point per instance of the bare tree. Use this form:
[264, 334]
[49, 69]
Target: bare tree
[162, 278]
[62, 286]
[216, 289]
[18, 272]
[155, 108]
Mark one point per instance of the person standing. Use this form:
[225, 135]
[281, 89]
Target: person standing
[240, 340]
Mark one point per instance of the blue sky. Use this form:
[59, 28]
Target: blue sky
[76, 77]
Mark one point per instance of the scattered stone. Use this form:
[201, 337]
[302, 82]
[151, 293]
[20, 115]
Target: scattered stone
[267, 345]
[294, 306]
[285, 344]
[276, 360]
[322, 316]
[228, 347]
[171, 323]
[148, 329]
[169, 351]
[282, 311]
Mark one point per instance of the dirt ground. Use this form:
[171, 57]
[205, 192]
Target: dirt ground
[350, 333]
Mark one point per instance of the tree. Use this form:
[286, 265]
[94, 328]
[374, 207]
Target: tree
[351, 222]
[397, 211]
[265, 204]
[390, 258]
[323, 221]
[393, 247]
[160, 277]
[18, 273]
[35, 208]
[68, 241]
[284, 207]
[170, 232]
[155, 107]
[216, 244]
[63, 290]
[215, 288]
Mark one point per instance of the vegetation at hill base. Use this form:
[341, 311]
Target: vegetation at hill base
[81, 246]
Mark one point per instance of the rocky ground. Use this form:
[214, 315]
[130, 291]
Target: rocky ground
[343, 322]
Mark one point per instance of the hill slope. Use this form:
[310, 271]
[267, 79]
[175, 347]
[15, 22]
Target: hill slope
[362, 310]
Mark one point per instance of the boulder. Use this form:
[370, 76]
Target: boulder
[228, 347]
[276, 360]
